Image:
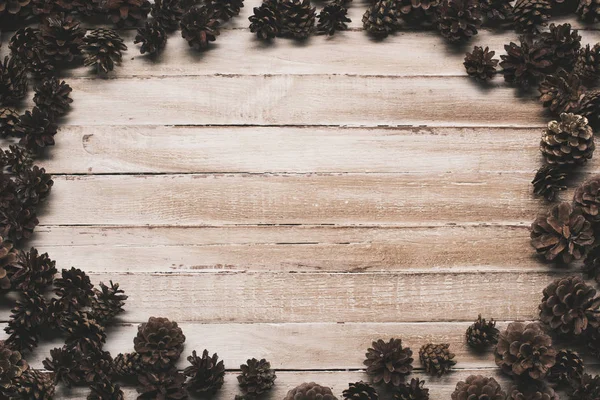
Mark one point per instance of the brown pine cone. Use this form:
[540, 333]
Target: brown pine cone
[589, 107]
[161, 385]
[256, 377]
[107, 303]
[526, 63]
[61, 37]
[529, 389]
[565, 44]
[96, 366]
[105, 389]
[199, 27]
[414, 390]
[9, 118]
[381, 18]
[8, 193]
[103, 49]
[310, 391]
[24, 42]
[127, 365]
[569, 306]
[589, 10]
[561, 91]
[360, 391]
[167, 13]
[458, 19]
[32, 271]
[332, 18]
[437, 358]
[12, 366]
[206, 374]
[225, 9]
[74, 287]
[477, 387]
[388, 362]
[65, 364]
[497, 11]
[549, 180]
[14, 7]
[569, 141]
[265, 20]
[36, 129]
[587, 389]
[13, 81]
[482, 333]
[36, 385]
[53, 96]
[17, 223]
[591, 264]
[417, 12]
[83, 332]
[8, 259]
[481, 64]
[17, 159]
[159, 342]
[26, 322]
[568, 368]
[152, 37]
[587, 197]
[297, 18]
[33, 186]
[524, 350]
[127, 12]
[587, 65]
[529, 14]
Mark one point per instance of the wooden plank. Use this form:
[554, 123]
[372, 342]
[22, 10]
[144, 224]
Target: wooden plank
[288, 248]
[300, 99]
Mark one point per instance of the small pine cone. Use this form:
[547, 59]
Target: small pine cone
[83, 332]
[107, 303]
[569, 141]
[529, 14]
[481, 64]
[569, 306]
[33, 185]
[256, 377]
[565, 44]
[265, 21]
[417, 12]
[477, 387]
[199, 27]
[587, 197]
[36, 128]
[18, 223]
[388, 362]
[24, 42]
[127, 365]
[53, 96]
[496, 10]
[65, 364]
[528, 389]
[297, 18]
[482, 333]
[152, 37]
[12, 367]
[167, 13]
[360, 391]
[124, 13]
[14, 7]
[159, 342]
[36, 385]
[437, 358]
[591, 264]
[568, 368]
[61, 37]
[549, 180]
[96, 366]
[333, 18]
[225, 9]
[103, 49]
[526, 63]
[18, 159]
[560, 92]
[589, 107]
[74, 287]
[8, 258]
[206, 374]
[562, 234]
[525, 350]
[381, 18]
[310, 391]
[589, 10]
[587, 65]
[587, 389]
[26, 322]
[13, 81]
[414, 390]
[458, 20]
[9, 118]
[161, 385]
[104, 389]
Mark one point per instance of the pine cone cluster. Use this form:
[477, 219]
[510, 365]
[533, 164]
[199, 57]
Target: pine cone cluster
[478, 387]
[548, 181]
[388, 362]
[360, 391]
[481, 64]
[310, 391]
[482, 333]
[437, 358]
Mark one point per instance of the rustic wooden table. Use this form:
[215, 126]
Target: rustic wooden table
[299, 200]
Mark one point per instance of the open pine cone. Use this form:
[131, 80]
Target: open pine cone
[560, 92]
[152, 37]
[161, 385]
[65, 364]
[381, 18]
[33, 185]
[568, 368]
[525, 350]
[53, 96]
[13, 81]
[265, 20]
[589, 107]
[14, 7]
[27, 319]
[478, 387]
[297, 18]
[74, 287]
[417, 12]
[103, 49]
[414, 390]
[526, 63]
[33, 271]
[167, 13]
[17, 222]
[529, 14]
[481, 64]
[127, 365]
[310, 391]
[360, 391]
[528, 389]
[587, 389]
[206, 374]
[482, 333]
[565, 43]
[549, 180]
[36, 129]
[159, 342]
[105, 389]
[587, 197]
[61, 38]
[388, 362]
[107, 303]
[256, 377]
[458, 19]
[569, 141]
[9, 118]
[496, 11]
[587, 65]
[589, 10]
[225, 9]
[437, 358]
[333, 18]
[127, 12]
[12, 366]
[199, 27]
[36, 385]
[83, 332]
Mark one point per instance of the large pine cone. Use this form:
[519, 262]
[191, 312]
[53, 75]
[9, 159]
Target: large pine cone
[568, 141]
[161, 385]
[12, 366]
[525, 350]
[531, 390]
[310, 391]
[458, 19]
[265, 21]
[437, 358]
[565, 44]
[587, 389]
[549, 180]
[256, 377]
[107, 303]
[561, 91]
[36, 129]
[206, 374]
[587, 197]
[587, 65]
[53, 96]
[381, 18]
[199, 27]
[298, 18]
[570, 305]
[477, 387]
[103, 49]
[65, 364]
[481, 64]
[127, 12]
[167, 13]
[482, 333]
[568, 368]
[589, 10]
[61, 38]
[8, 259]
[360, 391]
[159, 342]
[36, 385]
[529, 14]
[13, 81]
[526, 63]
[414, 390]
[388, 361]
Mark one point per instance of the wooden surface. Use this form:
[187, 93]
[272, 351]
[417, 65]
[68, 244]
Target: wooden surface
[299, 200]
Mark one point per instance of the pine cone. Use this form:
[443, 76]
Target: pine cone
[8, 193]
[568, 368]
[415, 390]
[587, 65]
[569, 141]
[104, 389]
[162, 385]
[531, 390]
[96, 366]
[127, 365]
[36, 129]
[549, 180]
[74, 287]
[381, 18]
[61, 37]
[152, 37]
[18, 159]
[482, 333]
[199, 27]
[589, 107]
[265, 21]
[65, 365]
[310, 391]
[225, 9]
[13, 81]
[525, 350]
[333, 18]
[36, 385]
[206, 374]
[297, 18]
[587, 197]
[17, 223]
[12, 366]
[127, 12]
[33, 272]
[24, 42]
[587, 389]
[107, 303]
[388, 362]
[561, 91]
[477, 387]
[53, 97]
[40, 65]
[103, 49]
[458, 19]
[417, 12]
[9, 118]
[526, 63]
[83, 332]
[159, 342]
[436, 358]
[481, 64]
[33, 186]
[360, 391]
[496, 10]
[529, 14]
[14, 7]
[591, 264]
[589, 10]
[256, 377]
[565, 44]
[569, 305]
[26, 322]
[167, 13]
[8, 258]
